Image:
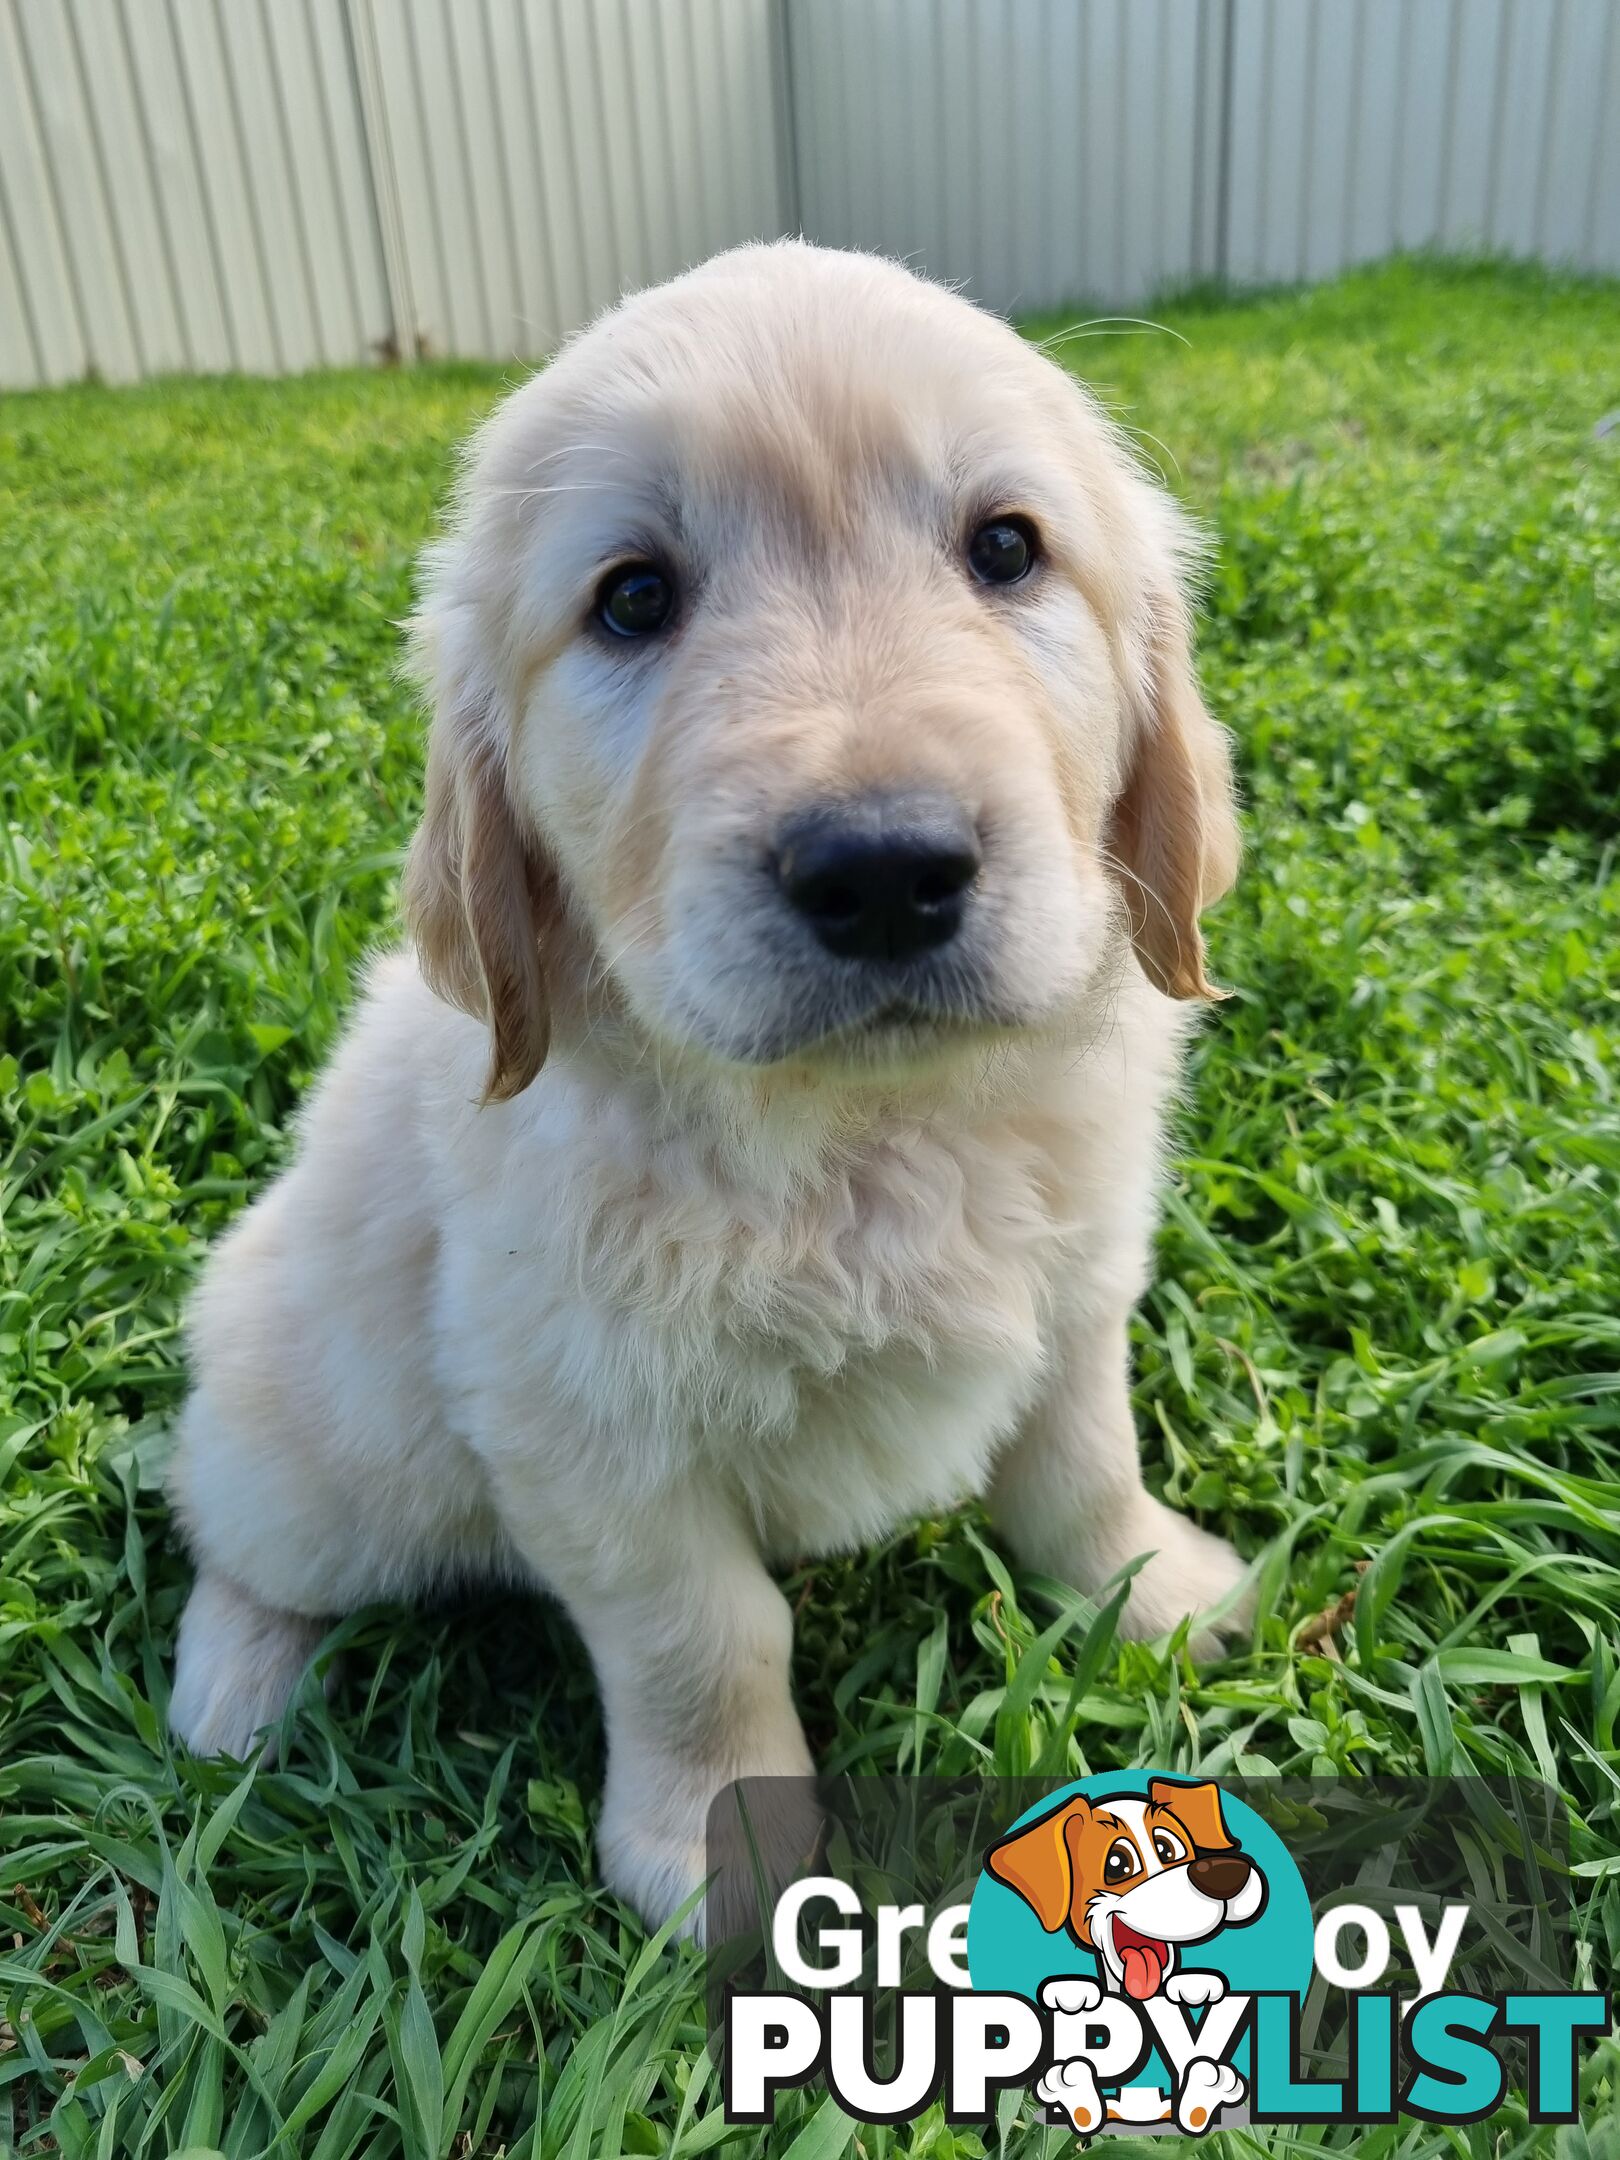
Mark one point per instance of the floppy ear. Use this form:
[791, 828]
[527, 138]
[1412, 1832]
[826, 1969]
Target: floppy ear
[1174, 827]
[1198, 1809]
[477, 891]
[1036, 1863]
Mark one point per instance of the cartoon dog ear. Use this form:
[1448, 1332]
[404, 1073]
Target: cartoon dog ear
[1036, 1862]
[1198, 1809]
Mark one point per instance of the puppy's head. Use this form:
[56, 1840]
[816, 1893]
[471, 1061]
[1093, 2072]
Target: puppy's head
[811, 682]
[1132, 1879]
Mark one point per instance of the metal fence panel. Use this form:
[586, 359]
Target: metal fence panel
[1032, 151]
[551, 154]
[71, 187]
[281, 184]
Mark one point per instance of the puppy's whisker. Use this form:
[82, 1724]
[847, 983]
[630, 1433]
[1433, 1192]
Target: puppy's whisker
[600, 972]
[576, 449]
[1123, 870]
[1112, 326]
[561, 487]
[633, 827]
[607, 961]
[1142, 434]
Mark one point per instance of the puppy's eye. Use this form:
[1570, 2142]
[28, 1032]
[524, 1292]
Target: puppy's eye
[1003, 550]
[1121, 1861]
[1168, 1847]
[635, 600]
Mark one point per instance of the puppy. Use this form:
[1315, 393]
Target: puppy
[758, 1146]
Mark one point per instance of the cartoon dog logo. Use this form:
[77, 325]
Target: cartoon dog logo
[1135, 1881]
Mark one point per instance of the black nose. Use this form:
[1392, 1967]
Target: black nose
[882, 877]
[1220, 1875]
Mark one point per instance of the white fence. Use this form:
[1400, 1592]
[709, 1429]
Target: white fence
[281, 184]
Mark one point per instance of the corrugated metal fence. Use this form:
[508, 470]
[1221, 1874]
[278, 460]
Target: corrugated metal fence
[280, 184]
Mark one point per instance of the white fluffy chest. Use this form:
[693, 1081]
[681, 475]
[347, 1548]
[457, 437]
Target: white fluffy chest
[846, 1346]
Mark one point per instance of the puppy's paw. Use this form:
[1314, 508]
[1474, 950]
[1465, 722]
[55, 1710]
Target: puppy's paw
[1195, 1987]
[1070, 2089]
[1188, 1571]
[237, 1664]
[655, 1874]
[667, 1832]
[1071, 1994]
[1206, 2087]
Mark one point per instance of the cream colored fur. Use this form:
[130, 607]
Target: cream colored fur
[636, 1254]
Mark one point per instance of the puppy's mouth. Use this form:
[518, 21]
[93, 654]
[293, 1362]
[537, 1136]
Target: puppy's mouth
[904, 1025]
[1143, 1959]
[860, 1023]
[903, 1015]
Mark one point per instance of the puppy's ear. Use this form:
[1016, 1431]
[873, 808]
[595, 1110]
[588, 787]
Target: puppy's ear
[1174, 828]
[1036, 1862]
[477, 892]
[1198, 1809]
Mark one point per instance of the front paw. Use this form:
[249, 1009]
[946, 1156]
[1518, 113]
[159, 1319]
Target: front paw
[1188, 1572]
[237, 1666]
[672, 1830]
[1206, 2087]
[1069, 2090]
[656, 1872]
[1195, 1987]
[1072, 1994]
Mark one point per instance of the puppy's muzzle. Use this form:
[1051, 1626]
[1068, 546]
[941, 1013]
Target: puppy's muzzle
[1220, 1875]
[881, 876]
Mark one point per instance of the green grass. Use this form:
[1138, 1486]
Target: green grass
[1384, 1329]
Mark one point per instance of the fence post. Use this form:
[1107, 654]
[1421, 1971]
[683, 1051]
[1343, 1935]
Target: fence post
[360, 36]
[787, 126]
[1212, 153]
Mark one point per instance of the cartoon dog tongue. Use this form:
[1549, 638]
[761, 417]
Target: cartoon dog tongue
[1143, 1959]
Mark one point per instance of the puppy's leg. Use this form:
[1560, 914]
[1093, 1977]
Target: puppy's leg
[691, 1643]
[284, 1542]
[1069, 1497]
[236, 1665]
[240, 1651]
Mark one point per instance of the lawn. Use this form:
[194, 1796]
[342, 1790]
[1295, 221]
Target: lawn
[1383, 1346]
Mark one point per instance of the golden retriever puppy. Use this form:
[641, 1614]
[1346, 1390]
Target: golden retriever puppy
[758, 1146]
